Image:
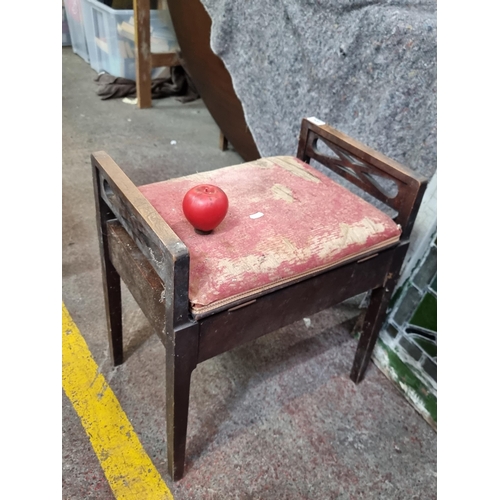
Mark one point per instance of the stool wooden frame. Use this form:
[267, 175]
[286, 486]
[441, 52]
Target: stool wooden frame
[138, 247]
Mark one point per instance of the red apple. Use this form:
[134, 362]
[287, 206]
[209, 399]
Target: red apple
[205, 206]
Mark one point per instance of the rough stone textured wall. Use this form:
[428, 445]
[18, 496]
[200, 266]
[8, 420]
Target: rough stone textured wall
[368, 68]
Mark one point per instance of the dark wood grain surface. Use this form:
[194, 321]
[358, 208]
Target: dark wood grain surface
[192, 26]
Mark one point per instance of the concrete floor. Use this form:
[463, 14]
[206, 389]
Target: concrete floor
[278, 418]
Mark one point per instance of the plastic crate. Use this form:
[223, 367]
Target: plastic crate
[66, 37]
[110, 36]
[74, 14]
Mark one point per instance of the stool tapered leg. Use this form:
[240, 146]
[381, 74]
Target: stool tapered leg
[181, 360]
[375, 316]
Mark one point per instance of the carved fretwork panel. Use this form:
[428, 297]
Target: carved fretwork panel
[383, 187]
[375, 177]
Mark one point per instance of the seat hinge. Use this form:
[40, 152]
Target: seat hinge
[366, 258]
[241, 306]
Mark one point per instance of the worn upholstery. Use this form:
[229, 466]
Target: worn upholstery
[285, 221]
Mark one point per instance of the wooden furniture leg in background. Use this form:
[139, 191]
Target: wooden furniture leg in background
[144, 59]
[222, 141]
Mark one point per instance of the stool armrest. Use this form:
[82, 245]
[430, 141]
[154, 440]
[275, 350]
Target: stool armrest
[165, 251]
[361, 165]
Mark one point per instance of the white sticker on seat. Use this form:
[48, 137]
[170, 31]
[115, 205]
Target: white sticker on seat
[256, 215]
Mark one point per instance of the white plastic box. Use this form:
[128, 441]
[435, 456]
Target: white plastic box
[66, 37]
[74, 14]
[110, 37]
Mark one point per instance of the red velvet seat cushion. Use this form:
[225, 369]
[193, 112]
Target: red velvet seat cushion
[309, 223]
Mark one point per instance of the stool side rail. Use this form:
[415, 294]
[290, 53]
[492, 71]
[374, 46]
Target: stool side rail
[366, 163]
[165, 251]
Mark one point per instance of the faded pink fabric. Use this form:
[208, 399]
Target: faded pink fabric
[309, 222]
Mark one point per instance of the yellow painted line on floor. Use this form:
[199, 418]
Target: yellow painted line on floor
[128, 468]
